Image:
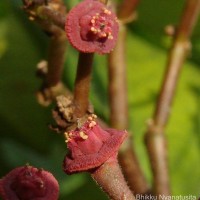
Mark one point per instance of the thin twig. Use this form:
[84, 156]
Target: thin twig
[49, 17]
[52, 15]
[117, 83]
[155, 140]
[119, 113]
[82, 83]
[126, 10]
[52, 85]
[119, 105]
[56, 58]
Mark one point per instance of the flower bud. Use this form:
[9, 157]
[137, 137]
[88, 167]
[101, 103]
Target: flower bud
[24, 183]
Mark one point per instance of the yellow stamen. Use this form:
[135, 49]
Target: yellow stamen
[92, 124]
[94, 30]
[67, 136]
[92, 21]
[90, 118]
[110, 37]
[107, 12]
[83, 135]
[103, 35]
[94, 116]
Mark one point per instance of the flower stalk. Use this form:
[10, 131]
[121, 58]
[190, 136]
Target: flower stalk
[111, 179]
[82, 83]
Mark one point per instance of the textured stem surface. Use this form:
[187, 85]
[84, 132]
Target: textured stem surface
[110, 178]
[50, 71]
[53, 16]
[56, 58]
[117, 83]
[155, 140]
[82, 83]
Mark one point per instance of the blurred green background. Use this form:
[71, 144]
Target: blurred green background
[24, 135]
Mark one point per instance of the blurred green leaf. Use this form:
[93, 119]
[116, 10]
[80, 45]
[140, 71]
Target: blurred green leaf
[3, 27]
[18, 105]
[3, 42]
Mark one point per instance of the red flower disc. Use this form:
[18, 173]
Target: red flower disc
[92, 27]
[90, 146]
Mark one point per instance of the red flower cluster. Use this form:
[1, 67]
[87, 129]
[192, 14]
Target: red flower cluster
[90, 146]
[92, 27]
[26, 183]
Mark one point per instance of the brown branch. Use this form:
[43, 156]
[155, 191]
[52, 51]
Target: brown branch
[155, 140]
[119, 113]
[82, 83]
[56, 59]
[126, 10]
[52, 85]
[53, 16]
[117, 83]
[119, 104]
[49, 17]
[52, 13]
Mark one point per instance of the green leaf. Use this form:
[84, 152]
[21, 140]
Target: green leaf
[18, 107]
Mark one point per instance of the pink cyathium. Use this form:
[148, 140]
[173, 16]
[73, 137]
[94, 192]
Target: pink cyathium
[90, 146]
[29, 183]
[92, 27]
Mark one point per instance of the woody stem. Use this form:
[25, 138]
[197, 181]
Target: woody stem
[82, 83]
